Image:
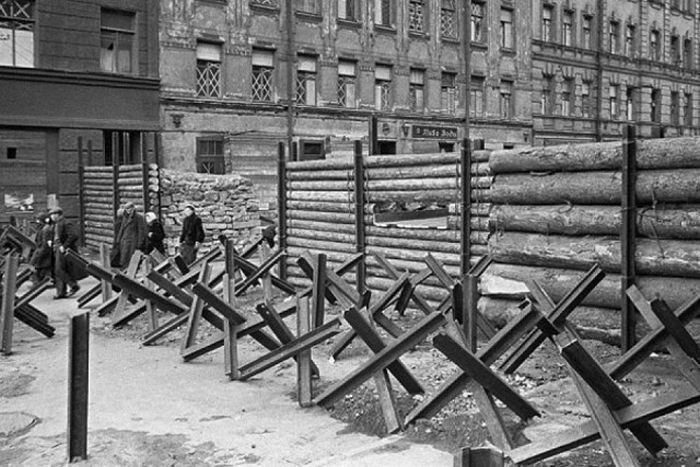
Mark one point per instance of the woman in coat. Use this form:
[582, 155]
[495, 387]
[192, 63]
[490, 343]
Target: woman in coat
[42, 259]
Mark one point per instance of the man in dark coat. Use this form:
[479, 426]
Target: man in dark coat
[130, 236]
[192, 235]
[64, 238]
[42, 258]
[156, 234]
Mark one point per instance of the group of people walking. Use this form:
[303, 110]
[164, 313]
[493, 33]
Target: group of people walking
[132, 231]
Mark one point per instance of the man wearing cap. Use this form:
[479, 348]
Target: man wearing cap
[192, 235]
[156, 234]
[130, 236]
[64, 238]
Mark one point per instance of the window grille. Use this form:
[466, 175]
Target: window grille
[507, 28]
[210, 155]
[208, 70]
[477, 21]
[506, 102]
[383, 12]
[346, 83]
[476, 97]
[448, 19]
[306, 80]
[416, 16]
[416, 90]
[262, 75]
[382, 87]
[17, 33]
[448, 93]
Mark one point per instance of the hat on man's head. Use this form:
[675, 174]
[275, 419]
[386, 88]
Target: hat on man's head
[56, 210]
[190, 207]
[129, 205]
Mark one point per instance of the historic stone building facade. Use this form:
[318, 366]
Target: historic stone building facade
[541, 72]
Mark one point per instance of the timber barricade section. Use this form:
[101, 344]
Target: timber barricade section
[320, 212]
[558, 210]
[103, 193]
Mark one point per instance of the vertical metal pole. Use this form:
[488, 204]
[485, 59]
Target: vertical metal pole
[360, 215]
[471, 297]
[466, 188]
[115, 173]
[156, 151]
[282, 205]
[466, 45]
[291, 65]
[144, 173]
[79, 340]
[628, 234]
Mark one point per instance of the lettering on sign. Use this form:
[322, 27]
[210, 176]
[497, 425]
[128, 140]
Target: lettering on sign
[434, 132]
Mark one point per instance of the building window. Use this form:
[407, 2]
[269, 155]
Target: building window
[448, 19]
[210, 155]
[629, 103]
[675, 108]
[382, 87]
[688, 113]
[312, 7]
[586, 32]
[17, 33]
[654, 45]
[383, 12]
[613, 100]
[477, 21]
[506, 101]
[347, 83]
[547, 23]
[117, 41]
[688, 53]
[306, 80]
[448, 93]
[347, 9]
[567, 97]
[655, 110]
[675, 50]
[263, 68]
[567, 28]
[416, 16]
[476, 97]
[208, 70]
[547, 101]
[416, 90]
[310, 150]
[586, 100]
[614, 37]
[630, 32]
[506, 28]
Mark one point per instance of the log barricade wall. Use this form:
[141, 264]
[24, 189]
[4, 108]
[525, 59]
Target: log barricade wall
[557, 211]
[320, 213]
[103, 193]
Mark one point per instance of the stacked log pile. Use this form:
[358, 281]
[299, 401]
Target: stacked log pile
[556, 211]
[130, 185]
[99, 205]
[321, 213]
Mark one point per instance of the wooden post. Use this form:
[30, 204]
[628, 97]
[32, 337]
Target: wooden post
[115, 173]
[104, 260]
[230, 332]
[319, 290]
[304, 388]
[151, 310]
[469, 314]
[628, 234]
[7, 308]
[282, 205]
[265, 279]
[79, 340]
[144, 174]
[465, 200]
[373, 138]
[360, 216]
[81, 191]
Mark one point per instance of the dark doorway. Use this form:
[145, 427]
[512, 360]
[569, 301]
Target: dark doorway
[386, 147]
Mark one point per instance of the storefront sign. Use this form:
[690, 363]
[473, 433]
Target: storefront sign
[434, 132]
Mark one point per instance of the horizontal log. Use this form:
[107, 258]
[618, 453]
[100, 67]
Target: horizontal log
[407, 160]
[97, 187]
[653, 186]
[307, 175]
[96, 217]
[320, 235]
[481, 155]
[333, 256]
[335, 163]
[100, 225]
[413, 233]
[321, 206]
[412, 255]
[413, 196]
[672, 153]
[323, 196]
[656, 222]
[445, 183]
[321, 245]
[653, 257]
[508, 280]
[414, 244]
[294, 223]
[321, 216]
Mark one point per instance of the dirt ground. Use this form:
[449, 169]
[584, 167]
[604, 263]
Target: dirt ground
[148, 408]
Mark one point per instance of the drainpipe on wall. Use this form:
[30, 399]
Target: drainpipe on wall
[291, 65]
[600, 4]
